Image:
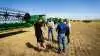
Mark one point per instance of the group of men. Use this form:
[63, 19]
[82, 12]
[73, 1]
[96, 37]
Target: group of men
[62, 29]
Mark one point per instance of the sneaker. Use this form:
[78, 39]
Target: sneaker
[59, 52]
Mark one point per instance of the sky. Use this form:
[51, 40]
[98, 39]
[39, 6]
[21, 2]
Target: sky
[57, 8]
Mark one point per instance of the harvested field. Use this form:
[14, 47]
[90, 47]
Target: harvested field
[85, 41]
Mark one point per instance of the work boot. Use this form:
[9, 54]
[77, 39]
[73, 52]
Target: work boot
[63, 51]
[59, 51]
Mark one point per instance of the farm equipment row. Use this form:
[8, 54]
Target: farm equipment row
[12, 19]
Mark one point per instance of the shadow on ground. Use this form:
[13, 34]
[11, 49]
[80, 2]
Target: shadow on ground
[48, 48]
[10, 34]
[54, 41]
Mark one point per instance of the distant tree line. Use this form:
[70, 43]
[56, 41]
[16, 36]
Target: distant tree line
[56, 20]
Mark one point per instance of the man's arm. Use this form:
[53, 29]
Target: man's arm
[67, 30]
[57, 28]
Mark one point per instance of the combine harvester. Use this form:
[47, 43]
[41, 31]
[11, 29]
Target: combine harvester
[14, 19]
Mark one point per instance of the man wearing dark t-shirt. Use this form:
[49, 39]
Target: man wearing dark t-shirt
[39, 34]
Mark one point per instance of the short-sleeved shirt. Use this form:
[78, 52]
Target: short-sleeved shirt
[38, 31]
[51, 24]
[62, 28]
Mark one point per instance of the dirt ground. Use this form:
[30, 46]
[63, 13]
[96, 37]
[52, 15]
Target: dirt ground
[85, 41]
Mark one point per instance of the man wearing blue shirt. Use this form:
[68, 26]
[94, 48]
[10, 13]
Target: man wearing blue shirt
[61, 29]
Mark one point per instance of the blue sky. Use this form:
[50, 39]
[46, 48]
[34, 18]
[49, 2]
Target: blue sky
[57, 8]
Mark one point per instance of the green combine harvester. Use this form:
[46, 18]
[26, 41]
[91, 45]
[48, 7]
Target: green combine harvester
[15, 19]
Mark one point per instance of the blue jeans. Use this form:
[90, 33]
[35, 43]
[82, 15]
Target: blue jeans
[62, 40]
[50, 34]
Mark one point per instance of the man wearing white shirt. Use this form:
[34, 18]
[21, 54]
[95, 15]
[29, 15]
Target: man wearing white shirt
[50, 30]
